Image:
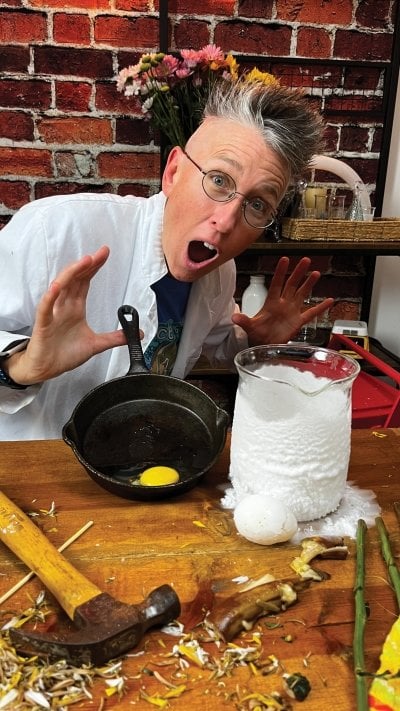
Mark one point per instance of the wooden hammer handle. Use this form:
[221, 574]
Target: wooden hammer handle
[68, 586]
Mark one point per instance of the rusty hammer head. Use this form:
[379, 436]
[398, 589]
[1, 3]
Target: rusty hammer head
[106, 628]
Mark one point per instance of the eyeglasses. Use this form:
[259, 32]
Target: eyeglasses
[221, 187]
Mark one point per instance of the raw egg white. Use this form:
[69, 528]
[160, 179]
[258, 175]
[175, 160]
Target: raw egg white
[264, 520]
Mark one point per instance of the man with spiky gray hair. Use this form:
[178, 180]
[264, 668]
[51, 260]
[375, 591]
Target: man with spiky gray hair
[68, 263]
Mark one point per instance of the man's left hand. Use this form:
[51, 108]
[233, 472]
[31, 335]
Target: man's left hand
[283, 313]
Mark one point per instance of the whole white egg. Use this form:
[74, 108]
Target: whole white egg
[264, 520]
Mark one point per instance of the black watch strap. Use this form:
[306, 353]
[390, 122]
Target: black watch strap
[5, 379]
[9, 382]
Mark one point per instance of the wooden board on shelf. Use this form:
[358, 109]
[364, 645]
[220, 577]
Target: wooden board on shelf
[341, 230]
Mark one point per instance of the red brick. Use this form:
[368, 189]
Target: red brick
[25, 93]
[73, 95]
[60, 61]
[132, 5]
[127, 31]
[370, 78]
[205, 7]
[14, 59]
[25, 161]
[249, 264]
[16, 126]
[351, 44]
[109, 99]
[192, 33]
[345, 310]
[322, 13]
[75, 4]
[348, 265]
[253, 37]
[126, 58]
[314, 42]
[256, 8]
[377, 139]
[134, 189]
[23, 26]
[331, 138]
[367, 168]
[134, 166]
[133, 131]
[71, 29]
[14, 194]
[307, 76]
[48, 189]
[75, 130]
[354, 138]
[322, 263]
[374, 13]
[351, 105]
[267, 263]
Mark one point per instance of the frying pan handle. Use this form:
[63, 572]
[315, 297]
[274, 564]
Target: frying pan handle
[129, 320]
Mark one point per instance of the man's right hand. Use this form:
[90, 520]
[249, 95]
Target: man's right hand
[61, 338]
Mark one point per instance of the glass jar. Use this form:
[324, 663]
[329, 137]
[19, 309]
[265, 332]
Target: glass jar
[291, 426]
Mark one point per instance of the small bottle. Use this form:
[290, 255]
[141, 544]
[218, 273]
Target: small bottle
[254, 296]
[355, 210]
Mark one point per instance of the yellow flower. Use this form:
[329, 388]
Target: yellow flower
[233, 66]
[173, 89]
[264, 77]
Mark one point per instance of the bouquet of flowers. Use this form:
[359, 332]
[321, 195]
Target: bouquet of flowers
[173, 90]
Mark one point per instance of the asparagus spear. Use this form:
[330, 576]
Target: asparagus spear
[360, 619]
[393, 570]
[396, 507]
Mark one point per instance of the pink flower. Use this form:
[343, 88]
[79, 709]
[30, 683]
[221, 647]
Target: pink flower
[191, 57]
[212, 53]
[183, 72]
[172, 90]
[170, 63]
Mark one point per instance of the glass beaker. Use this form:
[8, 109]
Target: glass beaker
[292, 425]
[336, 208]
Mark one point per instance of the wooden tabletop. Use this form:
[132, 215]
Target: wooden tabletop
[191, 543]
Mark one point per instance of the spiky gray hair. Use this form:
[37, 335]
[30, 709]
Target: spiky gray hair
[283, 116]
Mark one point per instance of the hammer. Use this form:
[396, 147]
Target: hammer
[105, 627]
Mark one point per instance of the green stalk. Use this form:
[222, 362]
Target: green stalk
[396, 507]
[360, 619]
[393, 570]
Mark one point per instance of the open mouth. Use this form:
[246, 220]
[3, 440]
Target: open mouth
[201, 251]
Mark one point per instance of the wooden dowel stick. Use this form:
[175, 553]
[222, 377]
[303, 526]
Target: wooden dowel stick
[30, 575]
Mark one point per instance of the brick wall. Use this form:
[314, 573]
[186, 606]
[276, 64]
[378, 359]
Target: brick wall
[65, 128]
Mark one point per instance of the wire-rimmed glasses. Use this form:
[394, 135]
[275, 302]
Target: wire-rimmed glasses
[221, 187]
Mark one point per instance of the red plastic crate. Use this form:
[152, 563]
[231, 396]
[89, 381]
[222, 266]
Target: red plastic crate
[375, 403]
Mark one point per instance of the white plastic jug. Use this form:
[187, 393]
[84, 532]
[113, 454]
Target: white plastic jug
[254, 296]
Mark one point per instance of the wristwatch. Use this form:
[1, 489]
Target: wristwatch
[5, 379]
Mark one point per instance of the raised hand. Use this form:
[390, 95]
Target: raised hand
[282, 314]
[61, 337]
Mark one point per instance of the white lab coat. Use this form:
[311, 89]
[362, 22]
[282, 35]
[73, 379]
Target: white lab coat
[46, 235]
